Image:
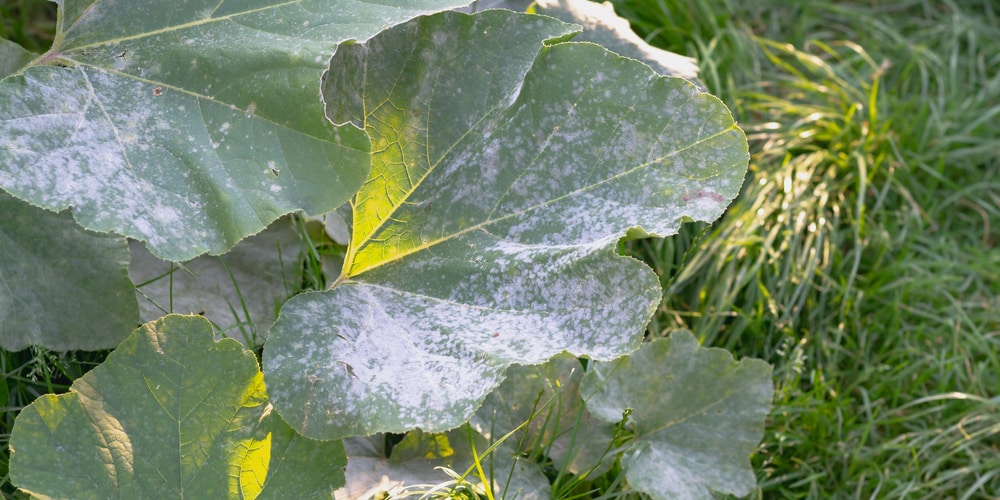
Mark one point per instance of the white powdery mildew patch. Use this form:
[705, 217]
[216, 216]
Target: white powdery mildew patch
[42, 145]
[594, 300]
[129, 176]
[579, 297]
[368, 366]
[300, 360]
[667, 472]
[560, 180]
[417, 353]
[140, 162]
[581, 219]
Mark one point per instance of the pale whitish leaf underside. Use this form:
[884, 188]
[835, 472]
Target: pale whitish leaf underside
[189, 125]
[697, 415]
[170, 414]
[505, 166]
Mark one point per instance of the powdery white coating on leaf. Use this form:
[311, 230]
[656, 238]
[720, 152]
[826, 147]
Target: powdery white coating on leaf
[423, 346]
[674, 471]
[484, 235]
[360, 362]
[697, 415]
[137, 116]
[589, 299]
[121, 170]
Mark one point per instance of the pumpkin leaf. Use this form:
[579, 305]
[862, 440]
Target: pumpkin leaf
[49, 272]
[506, 165]
[696, 414]
[547, 398]
[173, 412]
[187, 125]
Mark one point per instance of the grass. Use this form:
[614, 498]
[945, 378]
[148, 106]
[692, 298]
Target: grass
[29, 23]
[861, 258]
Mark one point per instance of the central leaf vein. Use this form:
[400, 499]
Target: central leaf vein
[545, 203]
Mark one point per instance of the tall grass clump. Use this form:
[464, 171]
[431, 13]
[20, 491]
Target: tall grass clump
[861, 258]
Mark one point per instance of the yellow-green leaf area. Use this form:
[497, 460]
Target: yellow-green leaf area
[174, 412]
[415, 114]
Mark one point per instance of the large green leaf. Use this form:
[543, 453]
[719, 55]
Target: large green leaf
[189, 125]
[697, 415]
[505, 167]
[49, 271]
[170, 414]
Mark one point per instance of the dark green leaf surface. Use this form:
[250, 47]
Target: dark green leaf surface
[505, 167]
[188, 125]
[61, 287]
[170, 414]
[697, 415]
[12, 57]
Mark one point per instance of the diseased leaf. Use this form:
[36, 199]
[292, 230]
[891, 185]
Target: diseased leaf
[505, 167]
[188, 125]
[601, 25]
[172, 414]
[12, 57]
[239, 292]
[49, 271]
[547, 397]
[604, 27]
[697, 415]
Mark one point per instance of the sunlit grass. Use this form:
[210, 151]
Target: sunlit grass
[861, 258]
